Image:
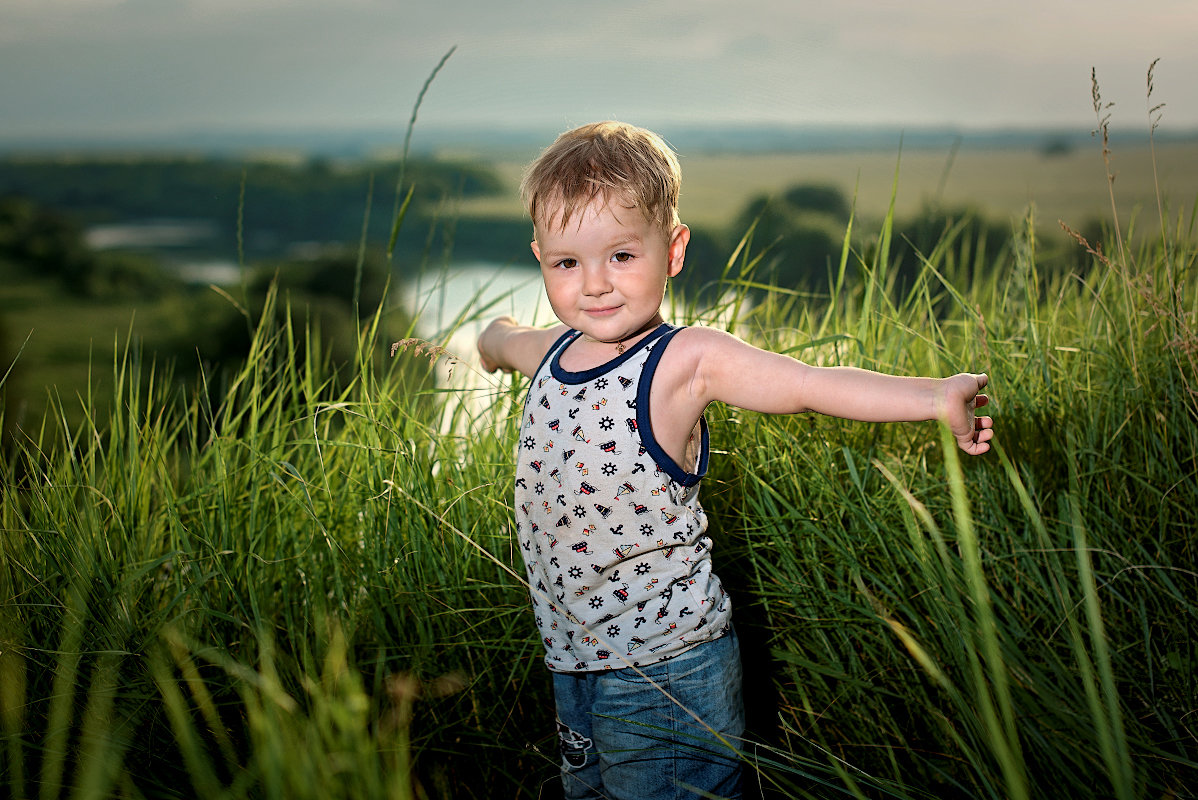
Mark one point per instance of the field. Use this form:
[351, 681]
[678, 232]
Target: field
[298, 581]
[1070, 186]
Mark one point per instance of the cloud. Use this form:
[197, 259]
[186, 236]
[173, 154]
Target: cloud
[138, 64]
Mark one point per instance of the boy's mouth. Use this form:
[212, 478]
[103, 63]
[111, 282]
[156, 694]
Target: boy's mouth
[604, 310]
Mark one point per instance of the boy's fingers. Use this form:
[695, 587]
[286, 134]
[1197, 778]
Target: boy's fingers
[978, 443]
[484, 363]
[980, 400]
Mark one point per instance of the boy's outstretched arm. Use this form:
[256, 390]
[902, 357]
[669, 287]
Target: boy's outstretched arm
[734, 372]
[507, 345]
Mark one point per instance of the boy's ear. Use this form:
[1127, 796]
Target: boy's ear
[536, 250]
[679, 238]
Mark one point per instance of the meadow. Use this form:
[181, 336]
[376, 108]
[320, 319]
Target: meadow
[300, 579]
[996, 181]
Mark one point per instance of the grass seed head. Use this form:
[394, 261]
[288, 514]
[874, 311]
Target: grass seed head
[422, 347]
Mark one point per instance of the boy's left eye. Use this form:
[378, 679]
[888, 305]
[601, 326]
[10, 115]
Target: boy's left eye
[622, 258]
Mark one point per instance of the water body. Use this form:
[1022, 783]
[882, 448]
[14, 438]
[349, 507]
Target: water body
[151, 234]
[451, 305]
[479, 290]
[437, 296]
[175, 241]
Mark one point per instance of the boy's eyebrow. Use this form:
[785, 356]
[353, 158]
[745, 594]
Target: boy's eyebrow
[630, 238]
[622, 241]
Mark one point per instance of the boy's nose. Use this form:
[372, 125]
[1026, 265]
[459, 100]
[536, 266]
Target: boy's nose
[594, 281]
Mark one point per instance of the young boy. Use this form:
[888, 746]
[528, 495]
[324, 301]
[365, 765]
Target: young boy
[636, 626]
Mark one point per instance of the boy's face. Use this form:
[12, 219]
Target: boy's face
[605, 273]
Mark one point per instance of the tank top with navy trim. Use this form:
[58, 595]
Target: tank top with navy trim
[613, 536]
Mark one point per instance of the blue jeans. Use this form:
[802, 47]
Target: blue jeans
[622, 737]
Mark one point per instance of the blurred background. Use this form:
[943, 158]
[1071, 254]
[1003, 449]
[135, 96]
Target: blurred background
[162, 163]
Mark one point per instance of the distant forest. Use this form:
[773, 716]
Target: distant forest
[279, 204]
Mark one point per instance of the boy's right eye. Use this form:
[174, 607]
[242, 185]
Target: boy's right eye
[567, 263]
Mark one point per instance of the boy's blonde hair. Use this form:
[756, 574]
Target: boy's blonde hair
[612, 160]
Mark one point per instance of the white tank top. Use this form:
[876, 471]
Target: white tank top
[611, 529]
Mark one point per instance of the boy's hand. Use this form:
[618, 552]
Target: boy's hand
[487, 343]
[962, 394]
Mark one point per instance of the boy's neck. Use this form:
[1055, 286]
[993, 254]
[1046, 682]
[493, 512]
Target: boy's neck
[622, 344]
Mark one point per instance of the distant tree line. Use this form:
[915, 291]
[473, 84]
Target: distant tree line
[317, 200]
[44, 242]
[797, 237]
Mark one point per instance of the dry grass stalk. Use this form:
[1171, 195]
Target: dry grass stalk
[1102, 112]
[422, 347]
[1093, 249]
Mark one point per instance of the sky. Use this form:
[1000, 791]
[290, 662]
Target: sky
[112, 68]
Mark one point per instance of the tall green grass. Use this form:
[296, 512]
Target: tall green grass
[301, 580]
[1017, 626]
[264, 576]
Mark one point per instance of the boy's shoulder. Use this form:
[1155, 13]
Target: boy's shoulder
[692, 346]
[694, 340]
